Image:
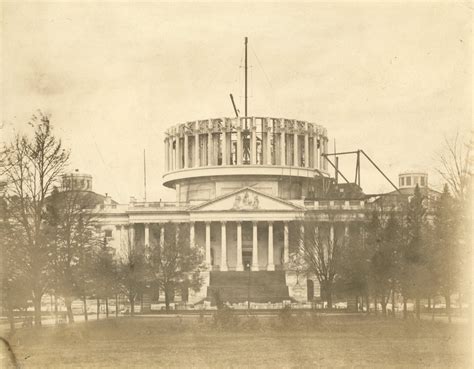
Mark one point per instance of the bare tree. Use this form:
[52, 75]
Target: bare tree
[72, 235]
[321, 248]
[105, 276]
[175, 265]
[14, 291]
[132, 272]
[456, 167]
[385, 260]
[456, 162]
[33, 167]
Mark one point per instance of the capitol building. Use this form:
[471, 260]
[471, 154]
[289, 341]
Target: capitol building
[242, 184]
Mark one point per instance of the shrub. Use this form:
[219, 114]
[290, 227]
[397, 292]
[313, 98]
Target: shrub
[225, 318]
[251, 323]
[285, 316]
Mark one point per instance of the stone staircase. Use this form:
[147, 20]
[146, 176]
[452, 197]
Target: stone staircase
[236, 287]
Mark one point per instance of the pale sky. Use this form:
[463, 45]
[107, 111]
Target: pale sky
[391, 79]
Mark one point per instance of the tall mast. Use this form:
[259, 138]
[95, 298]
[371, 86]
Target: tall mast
[246, 41]
[246, 132]
[144, 175]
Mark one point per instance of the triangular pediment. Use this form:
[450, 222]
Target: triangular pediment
[246, 199]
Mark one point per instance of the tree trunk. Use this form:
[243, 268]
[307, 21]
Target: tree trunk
[393, 302]
[460, 304]
[329, 298]
[116, 306]
[98, 308]
[132, 305]
[405, 308]
[107, 308]
[70, 315]
[433, 310]
[37, 307]
[11, 318]
[447, 299]
[418, 307]
[56, 309]
[429, 303]
[357, 304]
[167, 300]
[375, 305]
[84, 301]
[383, 302]
[367, 303]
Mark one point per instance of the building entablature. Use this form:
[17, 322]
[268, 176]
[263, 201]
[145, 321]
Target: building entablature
[246, 204]
[227, 124]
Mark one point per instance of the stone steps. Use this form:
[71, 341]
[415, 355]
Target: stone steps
[236, 287]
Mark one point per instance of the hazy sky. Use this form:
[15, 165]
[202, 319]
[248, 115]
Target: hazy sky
[391, 79]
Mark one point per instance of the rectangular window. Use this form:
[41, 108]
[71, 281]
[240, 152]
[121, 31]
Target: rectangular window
[402, 181]
[423, 181]
[408, 181]
[108, 233]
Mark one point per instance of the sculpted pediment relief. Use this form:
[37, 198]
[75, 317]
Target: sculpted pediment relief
[246, 199]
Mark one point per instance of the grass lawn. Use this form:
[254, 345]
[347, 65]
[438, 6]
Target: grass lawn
[189, 342]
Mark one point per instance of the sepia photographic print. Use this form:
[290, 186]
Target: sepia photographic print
[236, 185]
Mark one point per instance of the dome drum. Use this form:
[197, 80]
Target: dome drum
[262, 144]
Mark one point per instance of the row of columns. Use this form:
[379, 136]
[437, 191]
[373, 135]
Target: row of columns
[239, 266]
[130, 231]
[178, 158]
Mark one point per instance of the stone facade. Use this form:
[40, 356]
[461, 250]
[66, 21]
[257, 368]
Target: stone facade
[240, 183]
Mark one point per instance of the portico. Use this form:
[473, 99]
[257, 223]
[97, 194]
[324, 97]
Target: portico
[246, 225]
[228, 242]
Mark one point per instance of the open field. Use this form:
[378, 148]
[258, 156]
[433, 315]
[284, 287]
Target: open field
[343, 341]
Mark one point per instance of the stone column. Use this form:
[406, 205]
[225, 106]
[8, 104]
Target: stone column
[191, 235]
[283, 146]
[286, 256]
[253, 148]
[172, 156]
[178, 152]
[224, 146]
[162, 235]
[301, 240]
[122, 239]
[306, 148]
[269, 146]
[316, 233]
[295, 149]
[167, 150]
[239, 143]
[270, 264]
[239, 266]
[197, 158]
[208, 244]
[315, 152]
[147, 235]
[325, 151]
[255, 247]
[209, 144]
[186, 151]
[223, 247]
[131, 236]
[346, 233]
